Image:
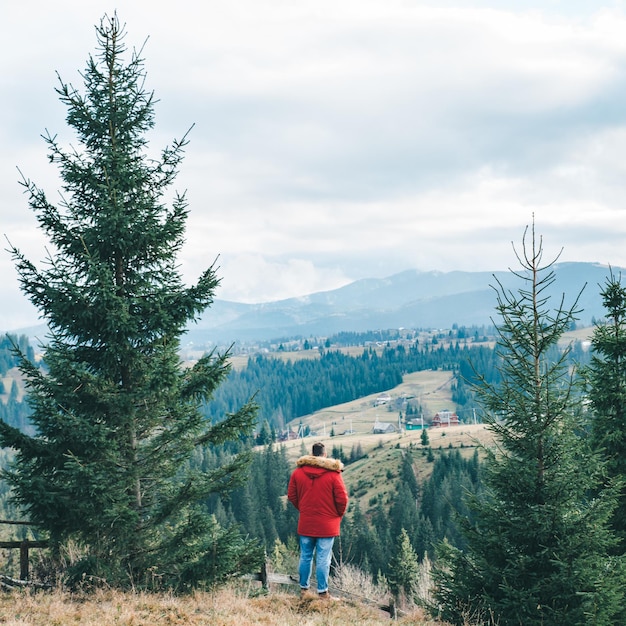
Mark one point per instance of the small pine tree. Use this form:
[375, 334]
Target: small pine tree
[538, 546]
[117, 418]
[407, 474]
[403, 570]
[425, 440]
[265, 435]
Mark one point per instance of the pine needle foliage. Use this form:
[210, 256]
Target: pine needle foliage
[117, 417]
[404, 570]
[539, 543]
[607, 391]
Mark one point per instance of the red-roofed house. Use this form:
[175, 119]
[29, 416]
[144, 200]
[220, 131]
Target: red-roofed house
[445, 418]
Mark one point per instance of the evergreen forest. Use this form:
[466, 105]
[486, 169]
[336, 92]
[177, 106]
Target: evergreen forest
[287, 390]
[159, 475]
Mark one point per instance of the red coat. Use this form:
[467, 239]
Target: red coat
[317, 490]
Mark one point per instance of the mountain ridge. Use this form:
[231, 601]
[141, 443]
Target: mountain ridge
[408, 299]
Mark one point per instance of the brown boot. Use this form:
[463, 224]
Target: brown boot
[325, 595]
[305, 592]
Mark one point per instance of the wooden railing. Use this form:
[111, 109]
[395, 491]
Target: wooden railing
[264, 577]
[24, 547]
[268, 578]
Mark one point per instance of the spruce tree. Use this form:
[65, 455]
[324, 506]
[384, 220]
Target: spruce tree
[117, 417]
[424, 439]
[538, 547]
[607, 391]
[403, 570]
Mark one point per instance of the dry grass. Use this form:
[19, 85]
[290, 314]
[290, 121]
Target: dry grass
[240, 603]
[580, 334]
[226, 607]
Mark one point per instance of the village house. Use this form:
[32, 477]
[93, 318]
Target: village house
[384, 398]
[415, 424]
[381, 428]
[445, 418]
[288, 435]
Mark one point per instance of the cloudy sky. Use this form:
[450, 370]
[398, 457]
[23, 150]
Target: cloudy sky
[342, 139]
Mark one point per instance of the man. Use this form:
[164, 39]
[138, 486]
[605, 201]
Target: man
[317, 490]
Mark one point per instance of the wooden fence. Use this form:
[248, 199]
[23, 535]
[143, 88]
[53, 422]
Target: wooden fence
[268, 578]
[23, 546]
[265, 577]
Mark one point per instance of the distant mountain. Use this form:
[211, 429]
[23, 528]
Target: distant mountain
[410, 299]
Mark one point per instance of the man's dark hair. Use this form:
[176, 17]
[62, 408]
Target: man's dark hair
[319, 449]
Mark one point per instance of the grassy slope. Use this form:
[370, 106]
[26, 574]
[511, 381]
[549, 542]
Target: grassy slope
[373, 475]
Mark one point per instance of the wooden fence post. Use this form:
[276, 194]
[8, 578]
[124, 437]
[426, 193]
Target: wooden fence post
[265, 583]
[24, 560]
[393, 609]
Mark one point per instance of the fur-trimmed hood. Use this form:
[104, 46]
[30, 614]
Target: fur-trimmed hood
[323, 462]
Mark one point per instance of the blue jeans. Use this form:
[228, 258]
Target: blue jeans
[324, 552]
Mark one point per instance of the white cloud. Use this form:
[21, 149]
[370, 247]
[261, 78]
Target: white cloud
[336, 140]
[253, 274]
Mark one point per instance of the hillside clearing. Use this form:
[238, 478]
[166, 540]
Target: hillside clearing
[430, 388]
[372, 477]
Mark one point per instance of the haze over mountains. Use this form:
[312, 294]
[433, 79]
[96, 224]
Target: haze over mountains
[410, 299]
